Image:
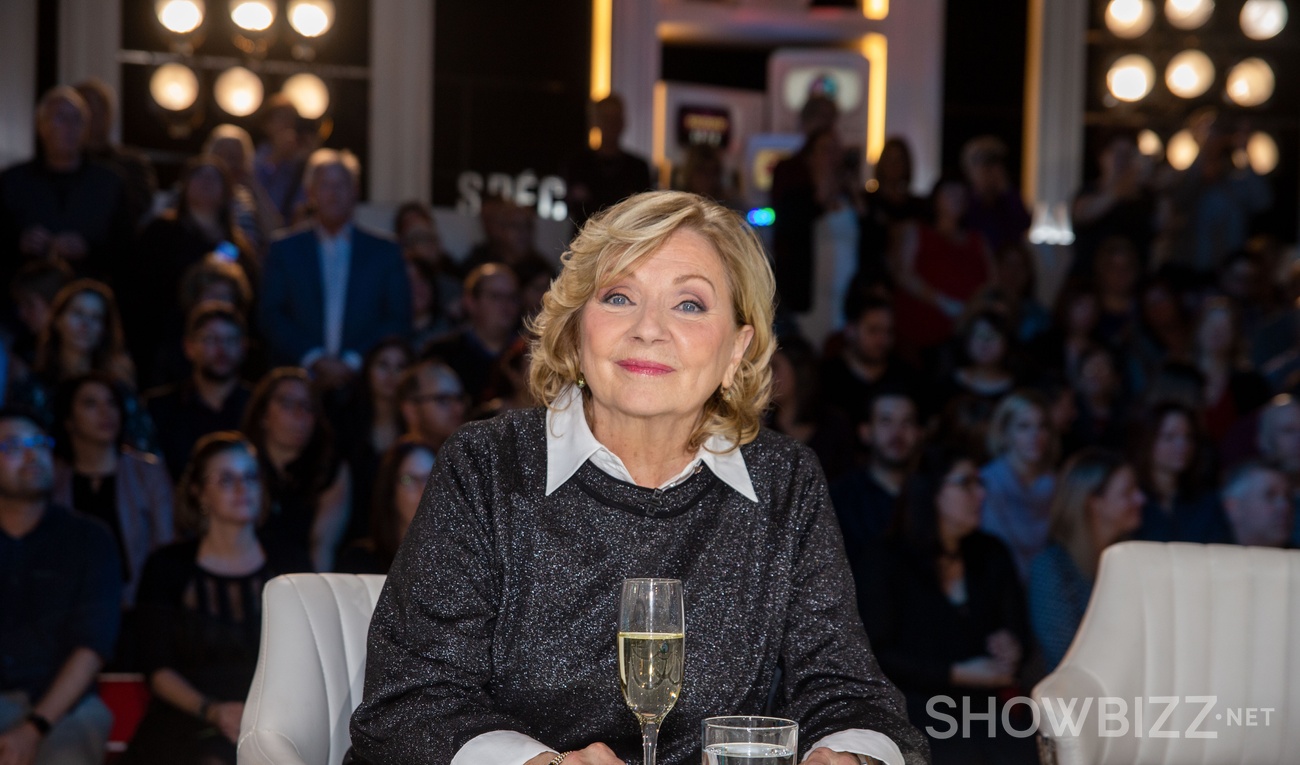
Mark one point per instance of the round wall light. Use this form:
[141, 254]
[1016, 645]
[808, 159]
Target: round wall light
[1189, 14]
[308, 94]
[311, 18]
[1129, 18]
[1182, 150]
[238, 91]
[1250, 83]
[174, 87]
[179, 16]
[252, 15]
[1263, 19]
[1130, 78]
[1189, 74]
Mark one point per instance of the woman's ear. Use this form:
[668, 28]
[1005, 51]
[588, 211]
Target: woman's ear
[744, 336]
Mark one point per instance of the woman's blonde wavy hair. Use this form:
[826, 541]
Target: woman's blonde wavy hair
[613, 243]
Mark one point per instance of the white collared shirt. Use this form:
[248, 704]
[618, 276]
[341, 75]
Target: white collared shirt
[569, 444]
[335, 259]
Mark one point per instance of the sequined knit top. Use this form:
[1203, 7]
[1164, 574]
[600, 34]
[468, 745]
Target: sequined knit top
[500, 611]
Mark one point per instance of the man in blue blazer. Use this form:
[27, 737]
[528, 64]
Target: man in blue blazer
[331, 290]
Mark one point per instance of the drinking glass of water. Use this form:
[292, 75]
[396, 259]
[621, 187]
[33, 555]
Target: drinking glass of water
[750, 741]
[651, 652]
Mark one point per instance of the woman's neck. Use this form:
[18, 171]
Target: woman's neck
[73, 362]
[652, 449]
[1027, 472]
[281, 456]
[1165, 483]
[232, 547]
[949, 540]
[94, 458]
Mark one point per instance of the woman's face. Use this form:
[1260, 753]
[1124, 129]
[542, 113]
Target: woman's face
[985, 345]
[658, 341]
[231, 492]
[204, 189]
[1097, 376]
[94, 415]
[1174, 446]
[385, 371]
[411, 477]
[81, 325]
[959, 499]
[1216, 333]
[1117, 510]
[1028, 436]
[290, 419]
[1082, 314]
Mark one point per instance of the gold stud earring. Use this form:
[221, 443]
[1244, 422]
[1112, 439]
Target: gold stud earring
[582, 381]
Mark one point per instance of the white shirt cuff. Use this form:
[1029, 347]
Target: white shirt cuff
[859, 741]
[505, 747]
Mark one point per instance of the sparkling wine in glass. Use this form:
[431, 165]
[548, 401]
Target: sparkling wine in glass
[651, 652]
[750, 741]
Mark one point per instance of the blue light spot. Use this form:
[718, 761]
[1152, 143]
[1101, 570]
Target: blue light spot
[761, 216]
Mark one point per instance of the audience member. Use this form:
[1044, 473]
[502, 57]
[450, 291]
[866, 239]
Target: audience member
[399, 484]
[1014, 288]
[417, 233]
[213, 397]
[866, 498]
[331, 289]
[1097, 503]
[865, 364]
[491, 304]
[33, 290]
[994, 210]
[1099, 400]
[62, 204]
[508, 236]
[944, 608]
[132, 166]
[1020, 481]
[798, 412]
[1257, 501]
[704, 172]
[1279, 444]
[309, 485]
[60, 596]
[1173, 467]
[99, 475]
[280, 162]
[605, 173]
[1118, 203]
[432, 400]
[888, 206]
[1232, 389]
[1116, 274]
[255, 214]
[200, 609]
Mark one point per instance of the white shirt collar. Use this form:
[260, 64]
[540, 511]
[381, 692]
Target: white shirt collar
[570, 443]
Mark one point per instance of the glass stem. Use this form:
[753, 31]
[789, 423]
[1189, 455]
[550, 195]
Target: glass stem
[649, 741]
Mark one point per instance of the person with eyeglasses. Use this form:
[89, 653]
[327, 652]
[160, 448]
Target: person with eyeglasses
[60, 596]
[944, 608]
[399, 485]
[200, 609]
[432, 401]
[492, 311]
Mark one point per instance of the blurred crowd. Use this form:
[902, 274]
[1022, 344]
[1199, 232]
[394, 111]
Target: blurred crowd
[246, 383]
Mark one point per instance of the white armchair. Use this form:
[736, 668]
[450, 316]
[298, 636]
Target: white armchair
[310, 669]
[1200, 633]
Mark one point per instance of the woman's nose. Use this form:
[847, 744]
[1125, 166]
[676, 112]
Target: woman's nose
[649, 324]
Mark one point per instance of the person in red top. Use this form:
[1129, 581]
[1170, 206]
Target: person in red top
[941, 266]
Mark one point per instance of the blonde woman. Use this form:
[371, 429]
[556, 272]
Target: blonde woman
[494, 639]
[1020, 480]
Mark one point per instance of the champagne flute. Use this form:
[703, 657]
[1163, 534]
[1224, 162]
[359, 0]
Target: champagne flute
[651, 652]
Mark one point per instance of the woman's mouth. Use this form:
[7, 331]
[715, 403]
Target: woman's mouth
[644, 367]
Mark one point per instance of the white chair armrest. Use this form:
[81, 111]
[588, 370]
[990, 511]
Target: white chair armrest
[262, 747]
[1060, 687]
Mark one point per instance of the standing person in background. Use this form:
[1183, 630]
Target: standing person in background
[1117, 203]
[996, 210]
[1020, 481]
[889, 206]
[600, 176]
[132, 166]
[332, 289]
[417, 234]
[62, 204]
[254, 212]
[61, 587]
[1097, 504]
[280, 161]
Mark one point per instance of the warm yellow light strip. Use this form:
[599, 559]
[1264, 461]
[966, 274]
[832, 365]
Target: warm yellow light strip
[875, 49]
[875, 10]
[659, 138]
[602, 32]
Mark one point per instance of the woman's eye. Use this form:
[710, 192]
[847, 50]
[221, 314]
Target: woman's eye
[617, 299]
[691, 306]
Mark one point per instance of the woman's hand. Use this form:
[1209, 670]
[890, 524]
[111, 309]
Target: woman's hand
[823, 756]
[596, 754]
[226, 716]
[1004, 646]
[983, 672]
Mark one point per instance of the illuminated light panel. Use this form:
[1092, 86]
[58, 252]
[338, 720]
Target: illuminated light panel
[1263, 19]
[238, 91]
[1182, 150]
[602, 34]
[1250, 83]
[180, 16]
[174, 87]
[1189, 74]
[875, 49]
[311, 18]
[1129, 18]
[1130, 78]
[1189, 14]
[252, 15]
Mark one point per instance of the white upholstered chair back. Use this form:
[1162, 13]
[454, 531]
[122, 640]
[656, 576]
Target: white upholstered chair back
[310, 669]
[1202, 626]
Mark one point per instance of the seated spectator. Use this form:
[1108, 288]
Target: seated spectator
[1099, 397]
[202, 221]
[200, 609]
[254, 212]
[508, 235]
[1097, 504]
[1073, 330]
[985, 344]
[1257, 501]
[1173, 467]
[309, 485]
[1279, 444]
[1118, 203]
[84, 335]
[370, 421]
[944, 609]
[1162, 333]
[798, 412]
[996, 211]
[535, 278]
[491, 304]
[61, 586]
[97, 474]
[508, 383]
[1116, 272]
[62, 204]
[1233, 390]
[1014, 288]
[131, 165]
[432, 401]
[1020, 481]
[866, 365]
[866, 497]
[417, 233]
[399, 484]
[33, 290]
[331, 290]
[213, 397]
